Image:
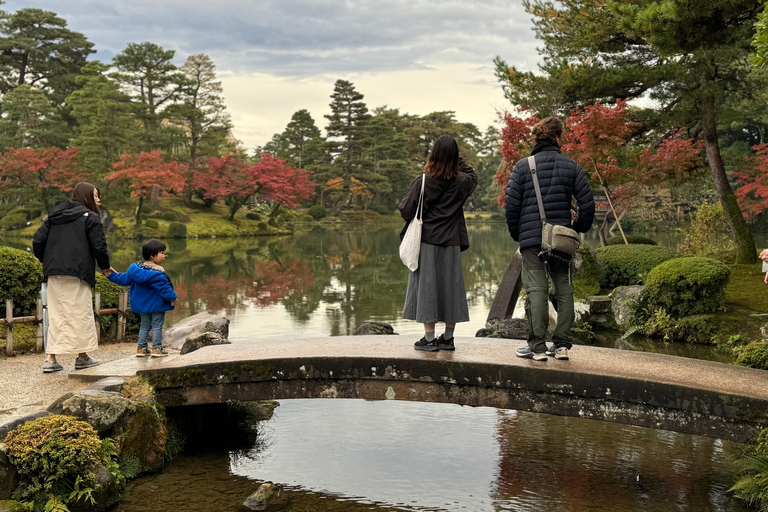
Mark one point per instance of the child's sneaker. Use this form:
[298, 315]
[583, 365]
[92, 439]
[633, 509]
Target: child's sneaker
[159, 352]
[142, 352]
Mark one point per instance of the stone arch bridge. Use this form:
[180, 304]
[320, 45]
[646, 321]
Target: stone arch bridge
[649, 390]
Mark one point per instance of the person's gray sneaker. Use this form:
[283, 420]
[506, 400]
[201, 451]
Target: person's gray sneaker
[560, 353]
[81, 363]
[551, 350]
[51, 366]
[527, 353]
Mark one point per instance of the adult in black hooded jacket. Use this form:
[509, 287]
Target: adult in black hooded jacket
[69, 244]
[560, 180]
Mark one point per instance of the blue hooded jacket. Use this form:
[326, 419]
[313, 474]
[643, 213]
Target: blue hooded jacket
[151, 290]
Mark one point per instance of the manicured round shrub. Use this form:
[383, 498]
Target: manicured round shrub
[625, 265]
[20, 278]
[754, 355]
[177, 230]
[145, 208]
[382, 210]
[170, 217]
[151, 223]
[263, 226]
[21, 211]
[637, 240]
[55, 455]
[318, 212]
[252, 216]
[688, 286]
[14, 221]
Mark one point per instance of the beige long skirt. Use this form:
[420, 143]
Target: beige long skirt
[71, 324]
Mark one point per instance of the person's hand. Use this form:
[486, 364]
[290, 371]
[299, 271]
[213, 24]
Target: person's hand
[107, 271]
[173, 304]
[764, 255]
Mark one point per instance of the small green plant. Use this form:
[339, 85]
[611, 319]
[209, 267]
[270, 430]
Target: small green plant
[753, 355]
[177, 230]
[20, 278]
[752, 468]
[318, 212]
[56, 458]
[660, 324]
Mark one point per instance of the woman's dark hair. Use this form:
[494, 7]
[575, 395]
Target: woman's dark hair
[548, 128]
[443, 161]
[83, 194]
[151, 248]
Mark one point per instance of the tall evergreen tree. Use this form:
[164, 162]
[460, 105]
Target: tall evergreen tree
[30, 120]
[346, 137]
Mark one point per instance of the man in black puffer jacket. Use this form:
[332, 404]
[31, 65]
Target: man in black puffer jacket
[560, 179]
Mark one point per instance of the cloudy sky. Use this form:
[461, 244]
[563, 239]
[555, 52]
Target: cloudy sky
[275, 57]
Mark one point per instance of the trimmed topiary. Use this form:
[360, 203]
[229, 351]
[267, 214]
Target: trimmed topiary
[688, 286]
[625, 265]
[16, 220]
[151, 223]
[318, 212]
[177, 230]
[252, 216]
[170, 217]
[636, 240]
[20, 278]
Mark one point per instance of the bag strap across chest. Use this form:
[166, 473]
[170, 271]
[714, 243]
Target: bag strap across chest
[532, 165]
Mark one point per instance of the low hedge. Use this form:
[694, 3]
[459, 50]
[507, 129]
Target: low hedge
[688, 286]
[20, 278]
[625, 265]
[633, 240]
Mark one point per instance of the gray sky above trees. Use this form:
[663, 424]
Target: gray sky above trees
[275, 57]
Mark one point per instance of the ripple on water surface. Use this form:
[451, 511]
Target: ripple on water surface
[350, 455]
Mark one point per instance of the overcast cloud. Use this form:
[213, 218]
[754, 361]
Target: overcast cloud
[277, 56]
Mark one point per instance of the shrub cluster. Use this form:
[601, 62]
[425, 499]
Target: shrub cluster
[688, 286]
[754, 355]
[252, 216]
[16, 220]
[151, 223]
[625, 265]
[318, 212]
[632, 239]
[170, 217]
[20, 278]
[177, 230]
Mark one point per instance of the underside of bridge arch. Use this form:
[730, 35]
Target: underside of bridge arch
[542, 390]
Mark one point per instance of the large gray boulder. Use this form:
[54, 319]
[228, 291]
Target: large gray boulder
[197, 331]
[624, 301]
[101, 409]
[509, 328]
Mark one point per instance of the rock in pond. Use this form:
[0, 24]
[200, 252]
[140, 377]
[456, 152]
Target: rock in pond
[374, 328]
[266, 497]
[197, 331]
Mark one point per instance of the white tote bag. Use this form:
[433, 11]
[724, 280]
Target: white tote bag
[409, 247]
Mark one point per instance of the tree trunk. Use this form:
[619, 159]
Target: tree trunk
[138, 211]
[746, 251]
[154, 198]
[343, 201]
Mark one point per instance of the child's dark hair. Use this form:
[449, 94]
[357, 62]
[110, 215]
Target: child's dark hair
[151, 248]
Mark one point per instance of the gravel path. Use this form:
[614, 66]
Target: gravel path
[23, 383]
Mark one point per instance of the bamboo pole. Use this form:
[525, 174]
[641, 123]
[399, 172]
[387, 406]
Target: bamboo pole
[97, 315]
[39, 319]
[9, 327]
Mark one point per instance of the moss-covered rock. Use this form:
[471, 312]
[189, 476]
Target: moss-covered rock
[625, 265]
[688, 286]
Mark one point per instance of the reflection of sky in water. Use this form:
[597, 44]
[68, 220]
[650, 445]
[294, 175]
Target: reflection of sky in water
[422, 455]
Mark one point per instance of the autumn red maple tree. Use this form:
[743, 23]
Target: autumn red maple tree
[515, 136]
[235, 181]
[752, 193]
[40, 171]
[147, 171]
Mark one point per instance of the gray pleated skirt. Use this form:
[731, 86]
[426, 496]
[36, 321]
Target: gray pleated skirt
[436, 289]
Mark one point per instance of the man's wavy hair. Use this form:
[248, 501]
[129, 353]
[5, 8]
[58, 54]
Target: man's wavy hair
[443, 161]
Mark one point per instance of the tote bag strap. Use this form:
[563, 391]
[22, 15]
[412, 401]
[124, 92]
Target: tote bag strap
[420, 207]
[532, 165]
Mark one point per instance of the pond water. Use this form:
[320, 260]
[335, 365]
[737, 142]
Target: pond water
[350, 455]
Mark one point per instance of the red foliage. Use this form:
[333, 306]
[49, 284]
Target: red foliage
[40, 168]
[514, 142]
[752, 195]
[146, 170]
[674, 159]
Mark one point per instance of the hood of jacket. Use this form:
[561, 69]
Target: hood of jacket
[142, 273]
[67, 212]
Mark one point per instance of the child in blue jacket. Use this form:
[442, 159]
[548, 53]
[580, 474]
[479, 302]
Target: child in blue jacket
[151, 295]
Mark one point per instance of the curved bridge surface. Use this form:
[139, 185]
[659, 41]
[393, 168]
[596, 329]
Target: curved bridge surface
[648, 390]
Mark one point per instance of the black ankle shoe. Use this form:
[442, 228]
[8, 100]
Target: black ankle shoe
[423, 344]
[445, 344]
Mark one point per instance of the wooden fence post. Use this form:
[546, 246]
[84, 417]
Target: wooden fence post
[97, 315]
[122, 304]
[9, 327]
[39, 320]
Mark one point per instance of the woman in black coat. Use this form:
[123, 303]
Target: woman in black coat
[436, 290]
[68, 244]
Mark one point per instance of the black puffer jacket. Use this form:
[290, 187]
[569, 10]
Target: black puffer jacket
[68, 242]
[560, 178]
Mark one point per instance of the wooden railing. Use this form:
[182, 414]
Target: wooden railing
[121, 310]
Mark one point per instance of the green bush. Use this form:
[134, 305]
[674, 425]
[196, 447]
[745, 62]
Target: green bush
[586, 282]
[318, 212]
[754, 355]
[636, 240]
[688, 286]
[262, 226]
[22, 211]
[56, 457]
[20, 278]
[625, 265]
[14, 221]
[177, 230]
[170, 217]
[708, 235]
[252, 216]
[151, 223]
[752, 467]
[145, 208]
[382, 210]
